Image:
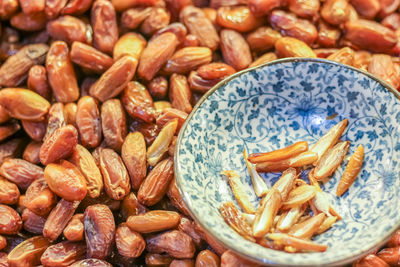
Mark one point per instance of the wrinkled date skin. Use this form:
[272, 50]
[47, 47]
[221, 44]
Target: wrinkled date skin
[61, 74]
[85, 162]
[32, 222]
[155, 186]
[10, 221]
[37, 81]
[179, 93]
[104, 24]
[113, 123]
[235, 50]
[58, 145]
[28, 252]
[39, 198]
[207, 258]
[99, 231]
[20, 172]
[59, 218]
[68, 29]
[138, 102]
[14, 71]
[63, 253]
[90, 58]
[9, 192]
[55, 119]
[153, 221]
[129, 243]
[175, 243]
[133, 154]
[91, 263]
[74, 231]
[115, 174]
[88, 122]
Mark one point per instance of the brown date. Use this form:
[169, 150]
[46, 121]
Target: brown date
[155, 186]
[392, 21]
[63, 254]
[366, 8]
[113, 123]
[138, 102]
[90, 58]
[55, 119]
[133, 17]
[8, 8]
[3, 244]
[104, 24]
[153, 221]
[29, 7]
[328, 36]
[20, 172]
[158, 87]
[39, 198]
[115, 175]
[37, 81]
[99, 231]
[238, 18]
[65, 179]
[305, 9]
[156, 54]
[344, 56]
[74, 230]
[179, 93]
[59, 218]
[176, 198]
[70, 110]
[53, 8]
[157, 19]
[35, 130]
[262, 39]
[29, 22]
[85, 162]
[263, 7]
[369, 261]
[88, 122]
[61, 74]
[229, 258]
[10, 221]
[32, 222]
[292, 47]
[14, 70]
[155, 260]
[8, 129]
[199, 84]
[76, 7]
[168, 114]
[133, 153]
[24, 104]
[28, 252]
[335, 12]
[200, 26]
[130, 206]
[188, 227]
[289, 25]
[115, 79]
[188, 58]
[91, 263]
[394, 240]
[235, 50]
[268, 57]
[59, 145]
[176, 243]
[9, 192]
[129, 243]
[131, 44]
[383, 67]
[206, 258]
[68, 29]
[182, 263]
[370, 35]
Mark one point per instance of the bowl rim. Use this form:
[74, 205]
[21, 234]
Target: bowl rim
[179, 178]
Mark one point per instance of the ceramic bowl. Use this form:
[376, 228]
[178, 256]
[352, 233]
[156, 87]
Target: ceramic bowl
[277, 104]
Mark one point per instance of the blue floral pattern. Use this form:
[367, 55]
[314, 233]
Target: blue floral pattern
[276, 105]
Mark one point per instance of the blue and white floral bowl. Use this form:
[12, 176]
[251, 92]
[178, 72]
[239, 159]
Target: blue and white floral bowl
[272, 106]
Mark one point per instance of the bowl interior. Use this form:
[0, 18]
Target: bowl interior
[278, 104]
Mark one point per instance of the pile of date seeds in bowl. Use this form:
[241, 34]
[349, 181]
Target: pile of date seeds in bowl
[292, 211]
[94, 93]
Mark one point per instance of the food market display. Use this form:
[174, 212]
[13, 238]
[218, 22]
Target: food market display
[95, 92]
